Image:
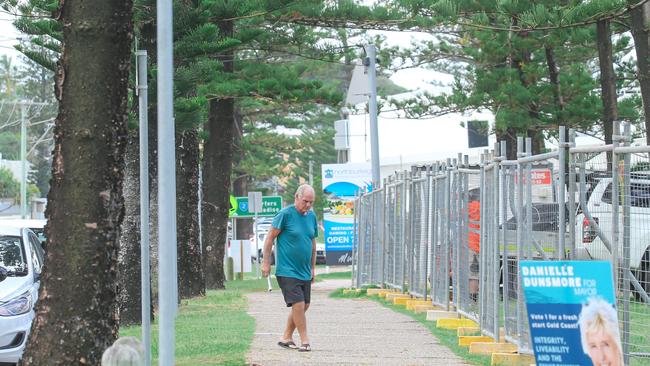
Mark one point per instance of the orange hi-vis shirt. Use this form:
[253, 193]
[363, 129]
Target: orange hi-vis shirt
[474, 208]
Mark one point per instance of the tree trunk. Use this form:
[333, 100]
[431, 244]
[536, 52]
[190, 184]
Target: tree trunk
[217, 167]
[537, 141]
[510, 137]
[244, 228]
[153, 201]
[147, 41]
[532, 130]
[129, 272]
[640, 17]
[216, 189]
[607, 81]
[76, 317]
[190, 271]
[554, 76]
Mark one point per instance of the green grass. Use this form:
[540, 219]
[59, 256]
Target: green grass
[639, 338]
[213, 330]
[447, 338]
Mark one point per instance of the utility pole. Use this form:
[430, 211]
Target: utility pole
[167, 284]
[23, 160]
[371, 63]
[145, 270]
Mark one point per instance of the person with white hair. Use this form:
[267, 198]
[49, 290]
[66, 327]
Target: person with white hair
[599, 333]
[125, 351]
[296, 229]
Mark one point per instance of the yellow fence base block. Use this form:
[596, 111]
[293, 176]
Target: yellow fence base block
[453, 323]
[347, 291]
[423, 308]
[442, 314]
[392, 296]
[375, 291]
[488, 348]
[512, 359]
[410, 305]
[468, 331]
[401, 300]
[386, 292]
[465, 341]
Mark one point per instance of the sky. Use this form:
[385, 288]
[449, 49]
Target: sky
[8, 36]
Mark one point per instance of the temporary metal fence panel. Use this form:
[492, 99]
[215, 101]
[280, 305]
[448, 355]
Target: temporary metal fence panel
[362, 248]
[631, 169]
[525, 244]
[395, 276]
[452, 232]
[390, 234]
[358, 213]
[439, 225]
[376, 252]
[508, 248]
[402, 230]
[409, 244]
[419, 234]
[489, 280]
[469, 242]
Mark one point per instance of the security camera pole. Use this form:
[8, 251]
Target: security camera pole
[371, 64]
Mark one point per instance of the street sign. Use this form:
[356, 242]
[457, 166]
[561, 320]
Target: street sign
[271, 205]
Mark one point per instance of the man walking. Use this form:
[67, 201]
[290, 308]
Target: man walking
[295, 228]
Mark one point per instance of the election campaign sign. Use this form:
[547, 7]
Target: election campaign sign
[572, 312]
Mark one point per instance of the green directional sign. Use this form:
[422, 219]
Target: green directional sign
[271, 205]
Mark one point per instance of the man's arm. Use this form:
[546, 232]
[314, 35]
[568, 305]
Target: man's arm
[313, 259]
[266, 252]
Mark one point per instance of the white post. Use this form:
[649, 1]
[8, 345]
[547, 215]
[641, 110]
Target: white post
[257, 246]
[166, 185]
[145, 274]
[23, 160]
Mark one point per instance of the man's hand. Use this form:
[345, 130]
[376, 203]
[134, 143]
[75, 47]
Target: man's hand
[266, 268]
[313, 274]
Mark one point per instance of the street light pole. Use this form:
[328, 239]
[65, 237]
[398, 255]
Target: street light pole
[167, 288]
[371, 62]
[23, 160]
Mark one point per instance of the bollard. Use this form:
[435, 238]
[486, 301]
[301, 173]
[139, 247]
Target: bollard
[230, 270]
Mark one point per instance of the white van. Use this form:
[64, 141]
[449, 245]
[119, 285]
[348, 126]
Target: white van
[21, 261]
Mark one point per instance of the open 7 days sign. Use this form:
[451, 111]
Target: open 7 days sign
[271, 205]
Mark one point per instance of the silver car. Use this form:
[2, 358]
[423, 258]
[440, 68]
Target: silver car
[21, 261]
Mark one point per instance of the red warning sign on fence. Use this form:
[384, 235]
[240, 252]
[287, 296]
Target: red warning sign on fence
[538, 177]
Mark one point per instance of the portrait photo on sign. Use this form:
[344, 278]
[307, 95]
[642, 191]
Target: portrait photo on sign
[599, 332]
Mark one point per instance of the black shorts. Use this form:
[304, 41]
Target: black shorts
[294, 290]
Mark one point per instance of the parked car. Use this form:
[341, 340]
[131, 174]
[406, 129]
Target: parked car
[264, 223]
[21, 261]
[600, 207]
[256, 249]
[35, 225]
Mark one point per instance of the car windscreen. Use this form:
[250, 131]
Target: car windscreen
[639, 194]
[12, 254]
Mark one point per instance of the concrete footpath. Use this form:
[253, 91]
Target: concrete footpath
[343, 332]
